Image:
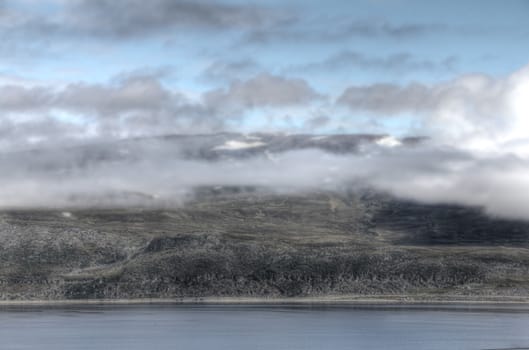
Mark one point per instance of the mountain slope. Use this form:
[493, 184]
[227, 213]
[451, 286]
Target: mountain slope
[229, 243]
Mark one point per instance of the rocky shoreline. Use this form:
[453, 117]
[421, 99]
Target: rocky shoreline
[505, 302]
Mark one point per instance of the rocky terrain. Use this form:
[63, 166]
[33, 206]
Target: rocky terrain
[253, 243]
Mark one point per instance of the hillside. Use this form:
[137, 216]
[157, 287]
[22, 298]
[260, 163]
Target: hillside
[252, 242]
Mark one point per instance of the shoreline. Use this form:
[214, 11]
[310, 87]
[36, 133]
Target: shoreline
[389, 300]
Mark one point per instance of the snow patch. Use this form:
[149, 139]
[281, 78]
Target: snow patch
[232, 145]
[388, 141]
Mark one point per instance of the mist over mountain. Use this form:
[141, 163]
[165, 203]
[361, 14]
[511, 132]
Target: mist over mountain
[166, 171]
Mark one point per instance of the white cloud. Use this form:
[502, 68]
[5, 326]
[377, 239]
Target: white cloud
[474, 112]
[156, 173]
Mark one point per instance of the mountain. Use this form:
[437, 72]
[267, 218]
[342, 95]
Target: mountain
[207, 147]
[240, 240]
[240, 243]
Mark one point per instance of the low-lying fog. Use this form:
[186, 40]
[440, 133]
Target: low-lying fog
[163, 171]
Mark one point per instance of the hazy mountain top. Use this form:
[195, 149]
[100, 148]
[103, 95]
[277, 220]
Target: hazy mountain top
[166, 170]
[212, 146]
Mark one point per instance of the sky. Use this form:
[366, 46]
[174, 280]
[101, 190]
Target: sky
[72, 69]
[453, 72]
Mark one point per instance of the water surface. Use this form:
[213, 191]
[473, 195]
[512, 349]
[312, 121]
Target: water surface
[262, 327]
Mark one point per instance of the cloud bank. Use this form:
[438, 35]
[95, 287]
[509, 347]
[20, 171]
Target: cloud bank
[477, 153]
[136, 105]
[157, 172]
[475, 112]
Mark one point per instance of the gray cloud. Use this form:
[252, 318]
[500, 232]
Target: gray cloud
[479, 91]
[19, 98]
[231, 70]
[318, 122]
[390, 98]
[25, 35]
[131, 94]
[399, 62]
[341, 30]
[130, 106]
[138, 103]
[27, 134]
[124, 19]
[158, 73]
[136, 94]
[263, 90]
[136, 18]
[384, 28]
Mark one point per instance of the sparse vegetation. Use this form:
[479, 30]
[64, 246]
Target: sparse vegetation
[248, 243]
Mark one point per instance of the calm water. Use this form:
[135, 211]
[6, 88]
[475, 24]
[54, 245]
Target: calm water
[266, 327]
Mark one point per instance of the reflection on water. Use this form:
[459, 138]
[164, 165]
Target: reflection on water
[263, 327]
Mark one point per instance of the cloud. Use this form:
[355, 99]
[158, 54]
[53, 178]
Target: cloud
[126, 19]
[137, 103]
[447, 175]
[263, 90]
[320, 30]
[159, 172]
[20, 98]
[392, 98]
[388, 29]
[16, 135]
[232, 70]
[133, 18]
[399, 62]
[475, 111]
[51, 28]
[131, 94]
[318, 122]
[157, 73]
[134, 105]
[136, 94]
